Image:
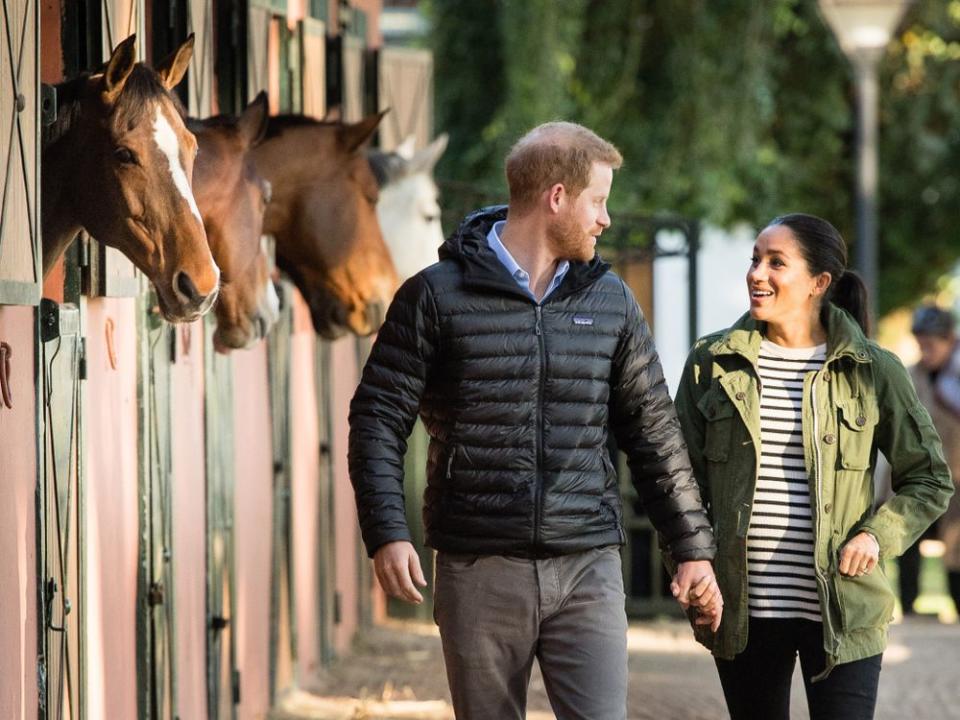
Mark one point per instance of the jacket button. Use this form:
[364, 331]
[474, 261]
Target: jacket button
[741, 396]
[861, 421]
[829, 438]
[827, 508]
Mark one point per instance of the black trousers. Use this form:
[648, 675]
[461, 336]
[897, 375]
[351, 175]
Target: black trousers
[756, 683]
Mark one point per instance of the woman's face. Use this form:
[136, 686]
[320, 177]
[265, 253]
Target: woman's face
[779, 282]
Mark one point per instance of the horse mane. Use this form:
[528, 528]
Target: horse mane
[69, 106]
[277, 124]
[142, 86]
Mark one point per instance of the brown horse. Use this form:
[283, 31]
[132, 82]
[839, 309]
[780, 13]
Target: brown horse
[323, 216]
[117, 162]
[232, 198]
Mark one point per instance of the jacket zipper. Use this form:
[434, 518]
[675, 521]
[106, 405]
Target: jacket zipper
[538, 498]
[824, 611]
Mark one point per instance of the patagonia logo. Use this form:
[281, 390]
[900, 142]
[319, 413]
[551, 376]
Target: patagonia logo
[582, 320]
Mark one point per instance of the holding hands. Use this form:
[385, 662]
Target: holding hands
[695, 585]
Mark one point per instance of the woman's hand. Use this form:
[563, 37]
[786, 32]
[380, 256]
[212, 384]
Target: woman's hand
[695, 585]
[860, 555]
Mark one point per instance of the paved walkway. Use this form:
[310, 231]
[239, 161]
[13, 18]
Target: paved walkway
[397, 672]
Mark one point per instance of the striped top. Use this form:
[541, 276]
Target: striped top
[780, 561]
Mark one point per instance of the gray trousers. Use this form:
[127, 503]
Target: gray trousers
[496, 614]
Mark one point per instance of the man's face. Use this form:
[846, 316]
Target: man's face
[574, 231]
[935, 350]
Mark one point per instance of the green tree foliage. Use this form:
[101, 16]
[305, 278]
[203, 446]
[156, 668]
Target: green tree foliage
[725, 110]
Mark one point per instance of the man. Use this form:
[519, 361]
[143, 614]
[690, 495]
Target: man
[937, 379]
[519, 349]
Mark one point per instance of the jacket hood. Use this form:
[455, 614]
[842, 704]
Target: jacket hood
[481, 266]
[844, 337]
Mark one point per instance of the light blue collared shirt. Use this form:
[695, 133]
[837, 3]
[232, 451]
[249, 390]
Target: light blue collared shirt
[516, 272]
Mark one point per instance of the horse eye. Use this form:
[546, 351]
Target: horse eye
[125, 156]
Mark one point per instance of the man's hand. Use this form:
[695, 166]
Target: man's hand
[695, 584]
[397, 566]
[859, 556]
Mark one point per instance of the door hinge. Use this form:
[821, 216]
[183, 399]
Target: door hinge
[236, 687]
[218, 623]
[58, 320]
[337, 607]
[155, 594]
[48, 104]
[82, 360]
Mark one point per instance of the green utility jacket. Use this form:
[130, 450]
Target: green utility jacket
[861, 401]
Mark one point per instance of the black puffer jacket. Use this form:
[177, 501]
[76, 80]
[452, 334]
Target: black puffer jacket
[517, 399]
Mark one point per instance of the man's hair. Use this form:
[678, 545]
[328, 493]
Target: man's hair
[555, 152]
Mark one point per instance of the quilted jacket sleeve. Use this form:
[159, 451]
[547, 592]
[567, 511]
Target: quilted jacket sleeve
[384, 408]
[646, 428]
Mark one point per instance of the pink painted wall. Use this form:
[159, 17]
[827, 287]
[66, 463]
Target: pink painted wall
[189, 518]
[111, 509]
[18, 555]
[252, 525]
[305, 480]
[345, 379]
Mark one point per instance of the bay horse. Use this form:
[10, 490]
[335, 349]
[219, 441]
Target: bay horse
[232, 197]
[409, 204]
[117, 163]
[323, 216]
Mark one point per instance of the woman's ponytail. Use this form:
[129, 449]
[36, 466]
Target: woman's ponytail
[849, 293]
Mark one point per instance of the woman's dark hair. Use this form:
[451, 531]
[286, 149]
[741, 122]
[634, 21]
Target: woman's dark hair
[825, 251]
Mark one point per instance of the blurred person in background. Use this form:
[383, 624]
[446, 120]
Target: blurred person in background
[937, 380]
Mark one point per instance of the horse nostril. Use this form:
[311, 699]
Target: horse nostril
[187, 288]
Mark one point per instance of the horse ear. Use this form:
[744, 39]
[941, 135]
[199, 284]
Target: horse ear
[407, 148]
[425, 160]
[119, 67]
[356, 134]
[253, 120]
[174, 66]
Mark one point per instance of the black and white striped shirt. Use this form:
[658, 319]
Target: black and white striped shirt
[780, 544]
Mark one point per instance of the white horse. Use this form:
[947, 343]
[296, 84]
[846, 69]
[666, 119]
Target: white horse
[409, 207]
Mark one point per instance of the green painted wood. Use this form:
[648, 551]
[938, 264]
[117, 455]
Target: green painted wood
[327, 570]
[283, 626]
[221, 581]
[156, 624]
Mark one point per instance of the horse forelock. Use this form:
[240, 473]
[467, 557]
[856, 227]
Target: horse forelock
[141, 93]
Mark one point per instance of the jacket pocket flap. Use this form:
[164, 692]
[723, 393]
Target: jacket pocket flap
[859, 414]
[715, 406]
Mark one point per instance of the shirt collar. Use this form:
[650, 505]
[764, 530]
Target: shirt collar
[513, 267]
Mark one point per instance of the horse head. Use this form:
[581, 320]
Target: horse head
[409, 207]
[118, 163]
[323, 216]
[232, 197]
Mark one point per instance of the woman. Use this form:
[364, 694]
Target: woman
[783, 414]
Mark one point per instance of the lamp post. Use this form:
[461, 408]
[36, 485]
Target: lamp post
[863, 28]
